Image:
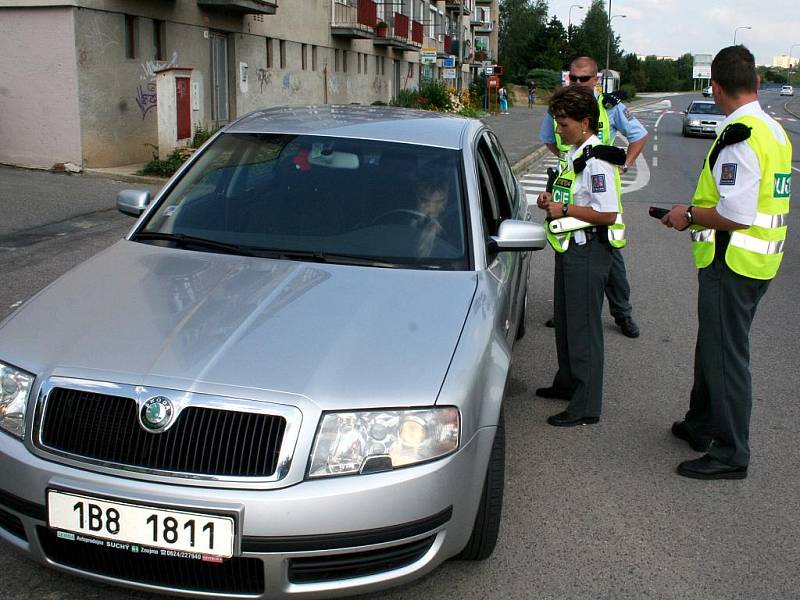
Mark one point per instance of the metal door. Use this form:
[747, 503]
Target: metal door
[182, 101]
[219, 77]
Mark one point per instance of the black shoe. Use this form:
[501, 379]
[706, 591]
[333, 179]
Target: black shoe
[567, 419]
[550, 323]
[629, 328]
[553, 393]
[680, 431]
[706, 467]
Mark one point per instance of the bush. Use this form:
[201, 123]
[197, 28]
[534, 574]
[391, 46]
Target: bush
[544, 78]
[630, 91]
[164, 168]
[201, 134]
[406, 99]
[469, 111]
[431, 95]
[378, 103]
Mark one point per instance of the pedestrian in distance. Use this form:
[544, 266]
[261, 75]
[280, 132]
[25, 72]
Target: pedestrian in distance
[532, 94]
[614, 117]
[502, 95]
[737, 222]
[581, 211]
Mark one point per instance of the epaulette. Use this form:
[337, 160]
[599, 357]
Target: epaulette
[610, 154]
[732, 134]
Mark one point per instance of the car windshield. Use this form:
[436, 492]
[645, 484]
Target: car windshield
[705, 108]
[325, 199]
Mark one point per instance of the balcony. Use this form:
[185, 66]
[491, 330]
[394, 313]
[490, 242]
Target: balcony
[483, 1]
[395, 33]
[416, 32]
[245, 7]
[354, 18]
[483, 26]
[454, 6]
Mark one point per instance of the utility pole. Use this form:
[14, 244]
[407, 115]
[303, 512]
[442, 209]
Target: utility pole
[461, 40]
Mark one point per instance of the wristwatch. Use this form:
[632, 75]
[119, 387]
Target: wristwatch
[689, 216]
[564, 209]
[624, 168]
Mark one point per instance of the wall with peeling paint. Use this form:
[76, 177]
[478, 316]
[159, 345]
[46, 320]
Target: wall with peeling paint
[39, 118]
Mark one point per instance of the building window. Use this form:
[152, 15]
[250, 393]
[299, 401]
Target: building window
[344, 61]
[411, 70]
[358, 57]
[282, 45]
[303, 58]
[269, 52]
[336, 60]
[313, 58]
[130, 36]
[366, 58]
[159, 31]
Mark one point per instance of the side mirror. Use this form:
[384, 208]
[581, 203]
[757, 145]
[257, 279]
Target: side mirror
[519, 236]
[133, 202]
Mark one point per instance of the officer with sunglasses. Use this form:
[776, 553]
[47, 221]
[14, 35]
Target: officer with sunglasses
[614, 117]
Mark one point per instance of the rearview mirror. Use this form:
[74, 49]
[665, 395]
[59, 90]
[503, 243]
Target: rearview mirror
[519, 236]
[133, 202]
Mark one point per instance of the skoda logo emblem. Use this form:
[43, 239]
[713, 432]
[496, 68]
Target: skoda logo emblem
[156, 413]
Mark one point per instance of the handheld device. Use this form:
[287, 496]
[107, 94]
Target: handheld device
[657, 212]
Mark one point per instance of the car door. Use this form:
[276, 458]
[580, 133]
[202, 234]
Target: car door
[495, 208]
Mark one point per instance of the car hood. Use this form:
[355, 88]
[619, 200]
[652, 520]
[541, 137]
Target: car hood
[342, 336]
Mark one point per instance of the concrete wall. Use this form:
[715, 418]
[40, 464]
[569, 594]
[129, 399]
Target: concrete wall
[39, 120]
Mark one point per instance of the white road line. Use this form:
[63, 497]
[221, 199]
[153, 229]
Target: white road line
[658, 121]
[655, 147]
[655, 161]
[655, 138]
[796, 169]
[16, 304]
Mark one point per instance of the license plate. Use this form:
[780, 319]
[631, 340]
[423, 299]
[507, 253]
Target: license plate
[147, 526]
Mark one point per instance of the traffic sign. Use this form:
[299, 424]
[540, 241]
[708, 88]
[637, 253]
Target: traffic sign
[449, 62]
[427, 56]
[448, 73]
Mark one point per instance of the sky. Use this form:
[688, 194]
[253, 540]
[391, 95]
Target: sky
[674, 27]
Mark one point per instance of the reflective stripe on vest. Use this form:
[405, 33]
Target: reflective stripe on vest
[755, 251]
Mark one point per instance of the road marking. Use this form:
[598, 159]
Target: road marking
[655, 147]
[658, 121]
[655, 161]
[16, 304]
[796, 169]
[655, 138]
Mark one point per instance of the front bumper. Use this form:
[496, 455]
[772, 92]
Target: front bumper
[332, 537]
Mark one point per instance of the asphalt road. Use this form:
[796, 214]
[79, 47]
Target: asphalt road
[591, 512]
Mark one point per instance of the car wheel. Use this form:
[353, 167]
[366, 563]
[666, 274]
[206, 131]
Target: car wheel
[487, 522]
[685, 134]
[521, 325]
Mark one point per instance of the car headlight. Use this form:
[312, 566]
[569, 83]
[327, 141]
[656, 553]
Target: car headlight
[15, 386]
[367, 442]
[694, 122]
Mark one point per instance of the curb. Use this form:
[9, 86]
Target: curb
[791, 112]
[126, 177]
[523, 163]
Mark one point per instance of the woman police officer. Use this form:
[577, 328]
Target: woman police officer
[583, 227]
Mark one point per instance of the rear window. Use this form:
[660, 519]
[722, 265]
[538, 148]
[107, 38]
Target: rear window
[400, 204]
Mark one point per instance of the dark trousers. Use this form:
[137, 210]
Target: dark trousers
[618, 290]
[721, 397]
[581, 274]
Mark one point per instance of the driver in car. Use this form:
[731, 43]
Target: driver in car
[431, 203]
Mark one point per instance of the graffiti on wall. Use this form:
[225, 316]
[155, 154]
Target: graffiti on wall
[290, 84]
[264, 78]
[146, 97]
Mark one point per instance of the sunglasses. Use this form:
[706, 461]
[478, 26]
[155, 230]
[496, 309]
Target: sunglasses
[581, 78]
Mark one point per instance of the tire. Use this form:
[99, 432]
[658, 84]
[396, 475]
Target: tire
[521, 324]
[487, 522]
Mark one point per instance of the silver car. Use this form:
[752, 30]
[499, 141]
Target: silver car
[287, 380]
[702, 118]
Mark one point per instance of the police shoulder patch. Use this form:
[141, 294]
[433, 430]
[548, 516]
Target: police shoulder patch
[728, 174]
[598, 183]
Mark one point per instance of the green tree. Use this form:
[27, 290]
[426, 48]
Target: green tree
[591, 37]
[523, 36]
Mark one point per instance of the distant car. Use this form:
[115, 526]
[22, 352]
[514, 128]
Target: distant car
[287, 380]
[787, 90]
[702, 118]
[707, 93]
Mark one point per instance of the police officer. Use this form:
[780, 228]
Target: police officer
[614, 116]
[738, 228]
[582, 211]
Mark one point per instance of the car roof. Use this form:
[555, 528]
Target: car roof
[382, 123]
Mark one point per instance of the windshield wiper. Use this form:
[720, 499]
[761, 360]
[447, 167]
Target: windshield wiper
[332, 258]
[185, 241]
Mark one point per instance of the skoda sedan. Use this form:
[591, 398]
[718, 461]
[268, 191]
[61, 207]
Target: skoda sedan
[702, 118]
[287, 380]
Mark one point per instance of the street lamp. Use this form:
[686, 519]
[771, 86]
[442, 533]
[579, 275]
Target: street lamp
[569, 21]
[737, 29]
[608, 45]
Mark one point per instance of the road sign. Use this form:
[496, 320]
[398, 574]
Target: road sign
[488, 70]
[449, 62]
[448, 73]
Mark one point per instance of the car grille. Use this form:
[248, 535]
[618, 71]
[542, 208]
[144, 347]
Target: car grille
[236, 575]
[202, 441]
[357, 564]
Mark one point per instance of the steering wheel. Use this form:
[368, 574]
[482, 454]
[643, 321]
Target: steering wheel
[409, 215]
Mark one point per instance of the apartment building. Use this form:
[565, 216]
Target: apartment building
[102, 82]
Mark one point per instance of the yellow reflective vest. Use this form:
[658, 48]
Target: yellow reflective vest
[756, 251]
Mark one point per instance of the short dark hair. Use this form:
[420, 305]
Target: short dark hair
[575, 103]
[734, 69]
